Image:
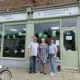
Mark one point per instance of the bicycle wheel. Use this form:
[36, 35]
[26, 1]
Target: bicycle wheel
[6, 75]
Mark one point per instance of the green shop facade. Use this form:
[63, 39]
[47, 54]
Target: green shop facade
[60, 23]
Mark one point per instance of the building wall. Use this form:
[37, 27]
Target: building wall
[6, 5]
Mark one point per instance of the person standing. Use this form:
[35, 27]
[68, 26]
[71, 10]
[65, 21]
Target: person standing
[52, 55]
[43, 50]
[32, 53]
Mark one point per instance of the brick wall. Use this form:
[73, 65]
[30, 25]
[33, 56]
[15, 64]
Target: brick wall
[61, 2]
[20, 4]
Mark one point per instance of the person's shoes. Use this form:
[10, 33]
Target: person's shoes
[41, 72]
[35, 72]
[30, 73]
[52, 74]
[45, 73]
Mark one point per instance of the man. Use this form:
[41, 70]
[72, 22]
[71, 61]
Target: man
[52, 55]
[32, 53]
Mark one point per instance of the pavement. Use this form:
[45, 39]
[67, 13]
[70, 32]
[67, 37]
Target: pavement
[22, 74]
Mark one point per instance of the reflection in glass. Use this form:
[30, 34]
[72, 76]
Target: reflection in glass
[69, 41]
[48, 31]
[69, 22]
[14, 41]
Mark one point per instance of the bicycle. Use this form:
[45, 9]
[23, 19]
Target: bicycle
[5, 73]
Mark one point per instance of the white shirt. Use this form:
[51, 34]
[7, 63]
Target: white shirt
[33, 48]
[52, 49]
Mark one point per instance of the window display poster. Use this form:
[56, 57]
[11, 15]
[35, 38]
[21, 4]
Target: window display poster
[68, 37]
[57, 42]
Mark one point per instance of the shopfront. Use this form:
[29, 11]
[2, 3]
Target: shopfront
[13, 39]
[17, 31]
[62, 26]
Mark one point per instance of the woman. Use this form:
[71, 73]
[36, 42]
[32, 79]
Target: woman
[52, 55]
[43, 50]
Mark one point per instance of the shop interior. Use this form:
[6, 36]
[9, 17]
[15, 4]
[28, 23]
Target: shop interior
[69, 40]
[48, 31]
[14, 41]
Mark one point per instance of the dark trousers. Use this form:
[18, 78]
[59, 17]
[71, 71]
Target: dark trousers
[32, 64]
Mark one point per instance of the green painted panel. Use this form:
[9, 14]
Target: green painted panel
[29, 38]
[49, 20]
[70, 59]
[78, 30]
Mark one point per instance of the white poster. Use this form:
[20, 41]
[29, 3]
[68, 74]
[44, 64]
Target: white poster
[57, 42]
[68, 37]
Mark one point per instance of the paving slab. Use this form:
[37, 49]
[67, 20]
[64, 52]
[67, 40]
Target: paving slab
[22, 74]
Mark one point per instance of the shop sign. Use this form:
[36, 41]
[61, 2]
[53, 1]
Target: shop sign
[56, 13]
[13, 17]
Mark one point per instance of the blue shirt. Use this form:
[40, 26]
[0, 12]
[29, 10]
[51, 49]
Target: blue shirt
[53, 49]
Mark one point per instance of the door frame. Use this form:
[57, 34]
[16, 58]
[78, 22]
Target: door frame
[1, 44]
[67, 52]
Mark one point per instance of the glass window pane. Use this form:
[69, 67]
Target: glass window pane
[69, 22]
[45, 26]
[14, 41]
[69, 41]
[48, 29]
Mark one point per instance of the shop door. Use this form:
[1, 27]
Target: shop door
[69, 49]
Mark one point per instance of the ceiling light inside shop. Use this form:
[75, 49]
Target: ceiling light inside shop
[13, 29]
[24, 33]
[55, 28]
[24, 29]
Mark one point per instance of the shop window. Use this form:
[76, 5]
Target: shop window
[14, 41]
[69, 41]
[69, 22]
[48, 31]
